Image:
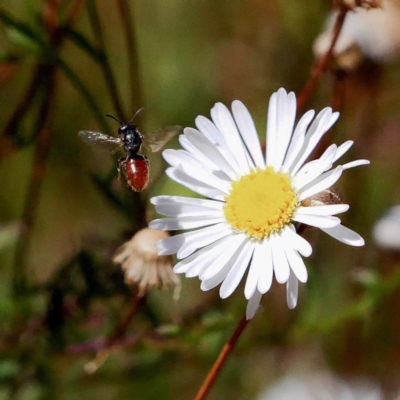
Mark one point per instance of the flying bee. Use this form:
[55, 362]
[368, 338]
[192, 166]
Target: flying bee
[134, 166]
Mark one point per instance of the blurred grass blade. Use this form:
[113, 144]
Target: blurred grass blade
[82, 42]
[25, 42]
[125, 12]
[80, 86]
[105, 64]
[104, 187]
[22, 27]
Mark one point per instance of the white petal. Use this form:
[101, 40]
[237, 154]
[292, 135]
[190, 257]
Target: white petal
[165, 200]
[184, 210]
[305, 169]
[219, 277]
[225, 254]
[316, 170]
[203, 237]
[216, 137]
[211, 152]
[292, 290]
[281, 265]
[286, 114]
[192, 265]
[226, 125]
[322, 164]
[173, 244]
[319, 221]
[180, 222]
[248, 132]
[170, 207]
[254, 271]
[329, 209]
[342, 149]
[193, 184]
[213, 250]
[237, 271]
[210, 131]
[271, 130]
[300, 244]
[329, 154]
[195, 152]
[355, 163]
[318, 128]
[176, 158]
[297, 141]
[345, 235]
[266, 266]
[296, 264]
[324, 181]
[253, 305]
[184, 161]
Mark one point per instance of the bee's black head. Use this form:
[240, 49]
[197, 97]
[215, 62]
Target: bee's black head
[130, 136]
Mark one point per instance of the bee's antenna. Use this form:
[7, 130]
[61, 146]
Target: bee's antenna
[136, 113]
[111, 116]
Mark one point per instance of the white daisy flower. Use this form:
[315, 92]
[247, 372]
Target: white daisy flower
[252, 201]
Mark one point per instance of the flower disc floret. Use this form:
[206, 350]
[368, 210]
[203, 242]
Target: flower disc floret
[261, 202]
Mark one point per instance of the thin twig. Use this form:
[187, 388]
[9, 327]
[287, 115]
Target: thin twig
[322, 64]
[104, 347]
[99, 344]
[220, 362]
[126, 319]
[133, 56]
[105, 64]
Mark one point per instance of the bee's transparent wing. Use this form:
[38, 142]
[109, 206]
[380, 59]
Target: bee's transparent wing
[101, 142]
[156, 140]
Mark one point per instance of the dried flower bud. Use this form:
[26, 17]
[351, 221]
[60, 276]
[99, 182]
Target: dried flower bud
[373, 34]
[142, 265]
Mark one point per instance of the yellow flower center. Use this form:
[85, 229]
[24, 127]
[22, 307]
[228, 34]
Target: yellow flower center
[261, 202]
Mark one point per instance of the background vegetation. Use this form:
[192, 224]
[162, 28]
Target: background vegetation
[63, 66]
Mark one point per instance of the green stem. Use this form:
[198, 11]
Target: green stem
[136, 94]
[105, 64]
[80, 86]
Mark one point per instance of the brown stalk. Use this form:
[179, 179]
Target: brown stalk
[322, 64]
[220, 362]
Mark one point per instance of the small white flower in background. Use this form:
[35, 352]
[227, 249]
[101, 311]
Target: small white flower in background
[245, 223]
[372, 34]
[368, 4]
[386, 231]
[322, 385]
[143, 266]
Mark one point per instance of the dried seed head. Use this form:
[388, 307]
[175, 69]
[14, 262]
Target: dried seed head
[352, 4]
[142, 265]
[366, 34]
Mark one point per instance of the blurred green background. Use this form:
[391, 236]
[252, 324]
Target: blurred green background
[63, 212]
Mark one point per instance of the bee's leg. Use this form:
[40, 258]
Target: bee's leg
[121, 166]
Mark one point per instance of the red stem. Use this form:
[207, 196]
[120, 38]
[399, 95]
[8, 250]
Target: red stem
[322, 64]
[220, 362]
